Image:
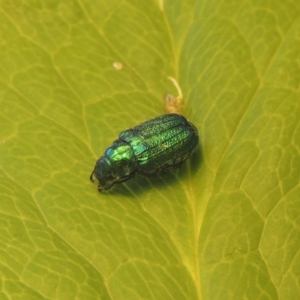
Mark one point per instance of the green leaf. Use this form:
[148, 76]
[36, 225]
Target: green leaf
[74, 75]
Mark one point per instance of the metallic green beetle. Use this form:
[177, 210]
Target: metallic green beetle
[149, 149]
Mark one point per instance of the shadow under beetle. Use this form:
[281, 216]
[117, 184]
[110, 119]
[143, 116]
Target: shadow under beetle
[154, 147]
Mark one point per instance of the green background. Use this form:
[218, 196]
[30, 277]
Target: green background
[225, 226]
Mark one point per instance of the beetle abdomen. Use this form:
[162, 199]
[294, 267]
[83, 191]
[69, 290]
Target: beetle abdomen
[161, 142]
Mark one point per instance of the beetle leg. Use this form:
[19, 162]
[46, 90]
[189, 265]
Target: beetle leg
[121, 180]
[125, 178]
[161, 171]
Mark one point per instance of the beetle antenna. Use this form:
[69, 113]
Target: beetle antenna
[91, 177]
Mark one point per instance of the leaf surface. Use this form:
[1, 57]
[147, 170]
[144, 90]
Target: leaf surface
[74, 75]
